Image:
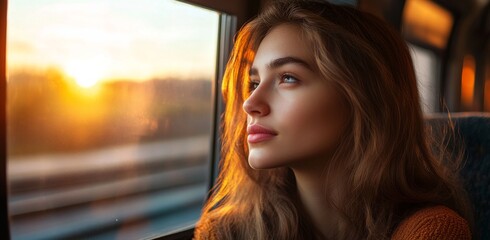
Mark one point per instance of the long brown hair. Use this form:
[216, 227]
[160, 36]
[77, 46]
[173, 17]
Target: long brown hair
[383, 162]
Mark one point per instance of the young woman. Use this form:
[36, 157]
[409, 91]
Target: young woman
[324, 137]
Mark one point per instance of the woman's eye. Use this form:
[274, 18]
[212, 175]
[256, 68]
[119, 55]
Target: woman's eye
[253, 85]
[286, 78]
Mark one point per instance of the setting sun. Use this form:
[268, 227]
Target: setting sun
[85, 76]
[86, 81]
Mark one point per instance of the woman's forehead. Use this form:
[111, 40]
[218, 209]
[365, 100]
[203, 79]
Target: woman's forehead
[285, 40]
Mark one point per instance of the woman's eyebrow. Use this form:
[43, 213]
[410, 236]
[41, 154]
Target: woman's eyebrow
[253, 71]
[276, 63]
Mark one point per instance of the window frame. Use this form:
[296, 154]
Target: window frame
[4, 228]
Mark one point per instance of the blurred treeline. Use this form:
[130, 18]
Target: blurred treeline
[48, 113]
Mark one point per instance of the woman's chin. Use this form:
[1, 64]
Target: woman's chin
[262, 163]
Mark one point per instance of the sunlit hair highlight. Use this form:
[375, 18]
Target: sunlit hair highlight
[383, 160]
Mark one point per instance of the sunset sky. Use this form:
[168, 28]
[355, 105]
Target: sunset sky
[113, 39]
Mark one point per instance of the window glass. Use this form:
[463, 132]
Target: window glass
[425, 64]
[109, 116]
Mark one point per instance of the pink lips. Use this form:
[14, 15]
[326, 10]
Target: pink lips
[257, 133]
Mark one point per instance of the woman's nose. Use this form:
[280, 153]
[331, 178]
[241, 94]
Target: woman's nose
[256, 104]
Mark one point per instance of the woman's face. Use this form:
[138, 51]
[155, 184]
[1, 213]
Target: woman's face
[294, 116]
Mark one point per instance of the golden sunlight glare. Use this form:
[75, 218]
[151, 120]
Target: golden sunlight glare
[85, 76]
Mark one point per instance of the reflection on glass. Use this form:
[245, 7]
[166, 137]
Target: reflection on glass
[109, 116]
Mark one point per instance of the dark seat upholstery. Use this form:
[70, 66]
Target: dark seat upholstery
[472, 130]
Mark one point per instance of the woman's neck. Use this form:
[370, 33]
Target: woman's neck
[313, 195]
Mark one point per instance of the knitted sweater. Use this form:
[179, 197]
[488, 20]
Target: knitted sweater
[433, 223]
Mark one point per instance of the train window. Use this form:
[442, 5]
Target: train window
[427, 27]
[426, 22]
[110, 116]
[425, 64]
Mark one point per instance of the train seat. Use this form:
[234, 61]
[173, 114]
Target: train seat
[472, 132]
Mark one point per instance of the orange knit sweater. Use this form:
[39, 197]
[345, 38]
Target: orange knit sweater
[433, 223]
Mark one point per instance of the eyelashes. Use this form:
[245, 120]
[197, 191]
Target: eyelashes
[285, 78]
[252, 85]
[288, 78]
